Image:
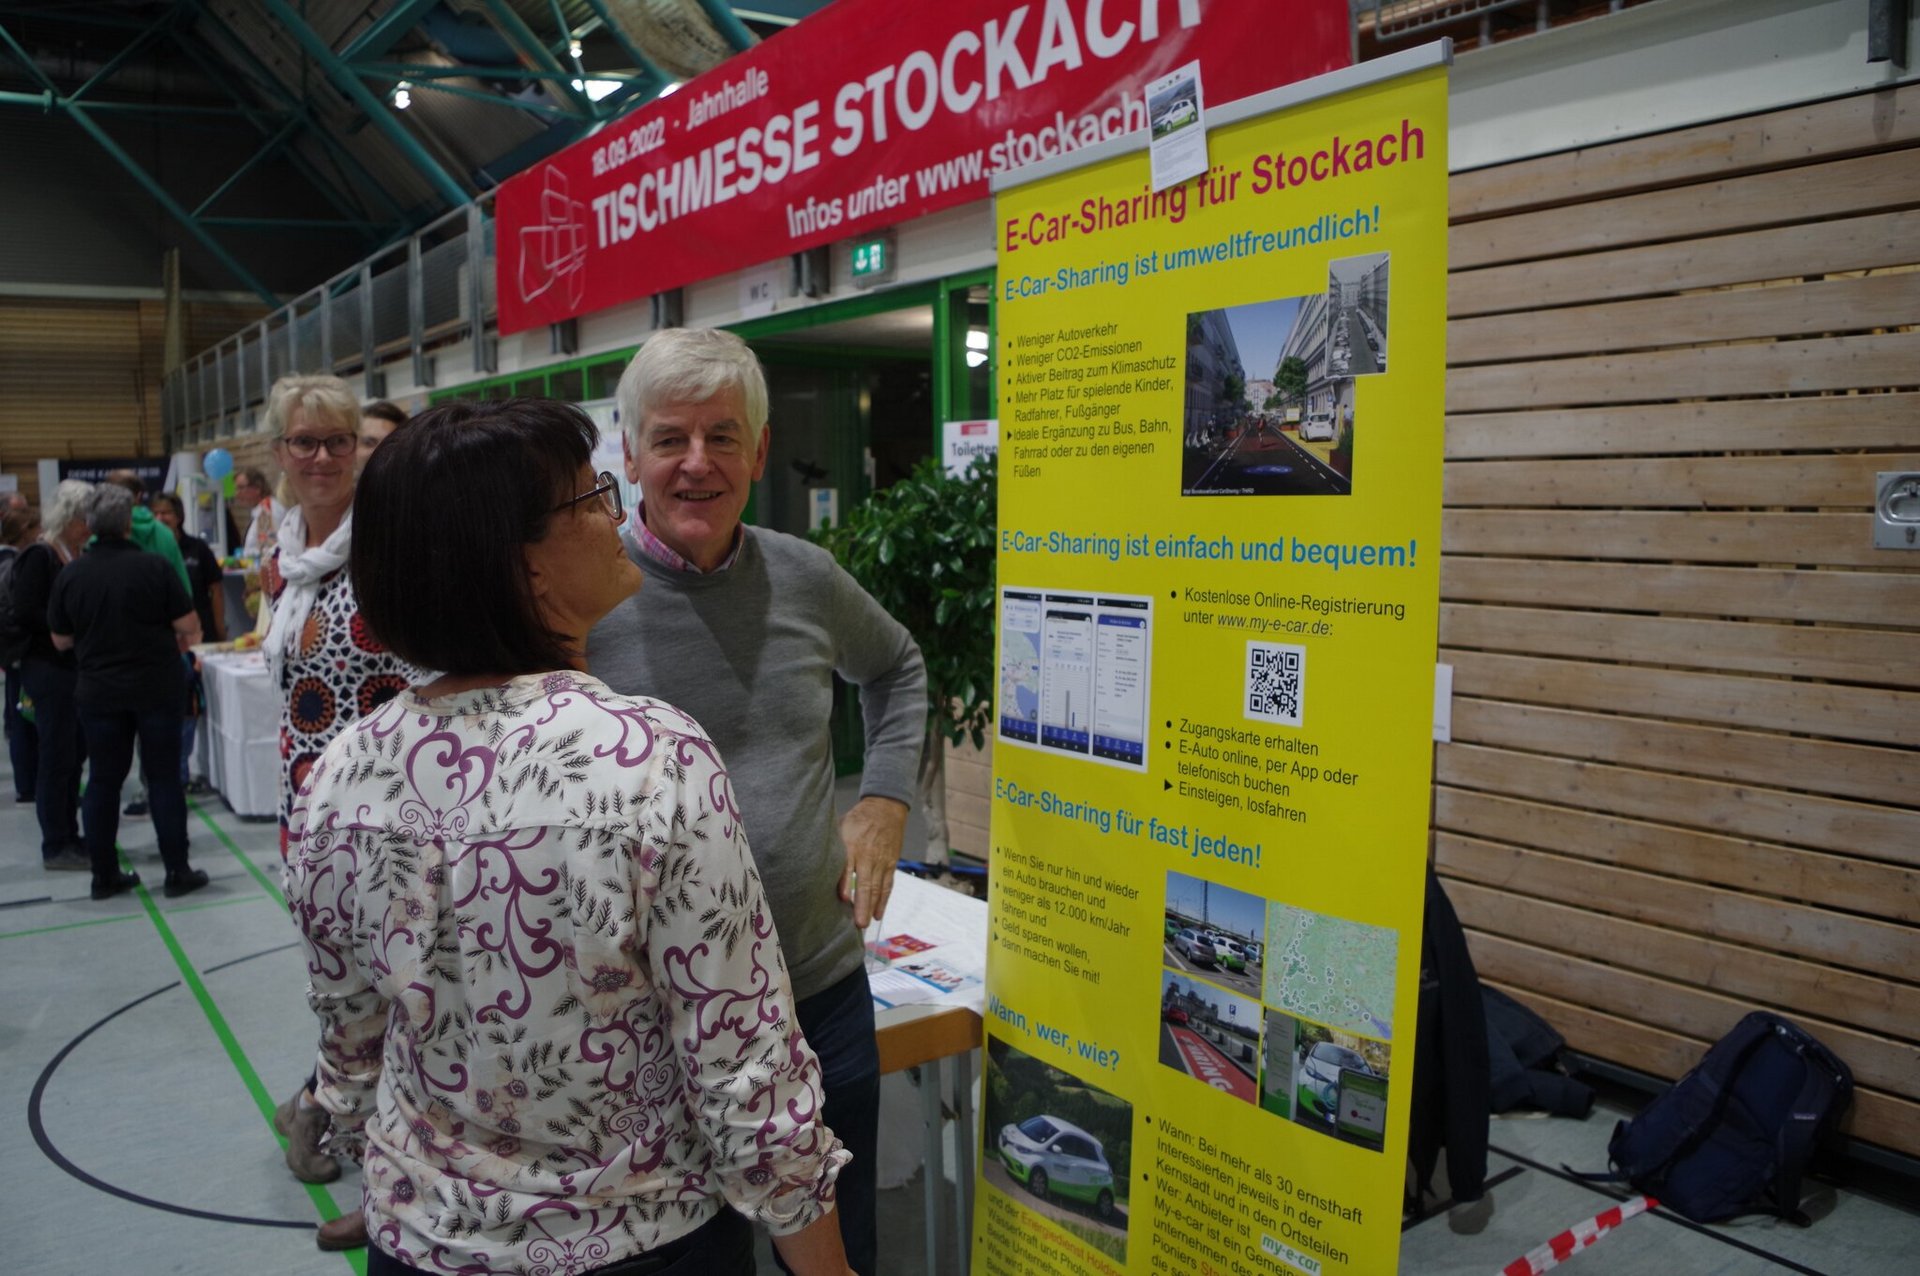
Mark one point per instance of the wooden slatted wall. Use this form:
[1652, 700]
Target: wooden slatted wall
[1684, 780]
[82, 378]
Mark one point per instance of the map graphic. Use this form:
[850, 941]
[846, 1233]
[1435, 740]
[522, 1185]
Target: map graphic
[1020, 676]
[1331, 971]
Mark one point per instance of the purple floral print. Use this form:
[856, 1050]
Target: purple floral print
[555, 1024]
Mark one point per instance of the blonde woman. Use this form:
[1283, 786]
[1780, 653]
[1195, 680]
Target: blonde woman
[326, 664]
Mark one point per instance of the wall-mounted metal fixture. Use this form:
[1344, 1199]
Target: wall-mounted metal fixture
[1887, 31]
[811, 275]
[669, 309]
[1896, 510]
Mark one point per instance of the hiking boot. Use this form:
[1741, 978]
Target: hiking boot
[303, 1130]
[118, 884]
[349, 1231]
[185, 882]
[70, 860]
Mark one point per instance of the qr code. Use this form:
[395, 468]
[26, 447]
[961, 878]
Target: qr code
[1276, 682]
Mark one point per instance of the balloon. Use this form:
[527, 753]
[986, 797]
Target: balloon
[218, 463]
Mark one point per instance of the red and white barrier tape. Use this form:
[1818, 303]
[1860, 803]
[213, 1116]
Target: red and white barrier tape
[1576, 1238]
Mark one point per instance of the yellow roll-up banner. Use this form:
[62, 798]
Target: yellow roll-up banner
[1219, 561]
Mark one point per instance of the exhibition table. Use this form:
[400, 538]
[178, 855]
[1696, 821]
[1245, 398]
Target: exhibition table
[948, 950]
[241, 727]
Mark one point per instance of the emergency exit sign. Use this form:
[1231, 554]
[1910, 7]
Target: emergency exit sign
[873, 260]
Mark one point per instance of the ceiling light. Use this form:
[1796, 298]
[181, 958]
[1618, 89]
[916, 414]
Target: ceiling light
[669, 88]
[573, 50]
[976, 339]
[596, 89]
[402, 97]
[975, 358]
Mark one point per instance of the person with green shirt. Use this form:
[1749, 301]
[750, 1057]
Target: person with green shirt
[147, 533]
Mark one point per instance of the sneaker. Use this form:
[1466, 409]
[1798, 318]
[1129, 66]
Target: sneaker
[349, 1231]
[185, 882]
[304, 1129]
[136, 807]
[120, 884]
[70, 860]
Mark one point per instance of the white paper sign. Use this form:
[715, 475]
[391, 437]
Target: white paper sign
[1443, 703]
[760, 289]
[1177, 125]
[823, 507]
[961, 441]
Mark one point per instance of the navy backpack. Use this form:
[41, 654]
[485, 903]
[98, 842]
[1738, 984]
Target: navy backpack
[1735, 1135]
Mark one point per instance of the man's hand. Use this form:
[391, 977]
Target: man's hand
[872, 832]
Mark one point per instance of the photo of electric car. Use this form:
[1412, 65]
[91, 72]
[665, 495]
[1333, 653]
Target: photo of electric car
[1051, 1154]
[1318, 1090]
[1229, 954]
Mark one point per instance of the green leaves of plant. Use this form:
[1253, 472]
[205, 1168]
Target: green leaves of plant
[924, 548]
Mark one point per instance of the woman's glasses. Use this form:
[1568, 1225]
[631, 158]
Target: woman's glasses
[306, 446]
[609, 493]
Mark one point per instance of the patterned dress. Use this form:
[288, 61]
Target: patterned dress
[338, 672]
[556, 1027]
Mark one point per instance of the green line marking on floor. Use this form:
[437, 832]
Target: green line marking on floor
[323, 1202]
[214, 903]
[48, 930]
[266, 883]
[129, 917]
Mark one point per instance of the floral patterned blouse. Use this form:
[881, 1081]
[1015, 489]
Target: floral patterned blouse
[339, 672]
[556, 1027]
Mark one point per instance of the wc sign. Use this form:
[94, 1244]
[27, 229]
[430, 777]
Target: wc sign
[963, 440]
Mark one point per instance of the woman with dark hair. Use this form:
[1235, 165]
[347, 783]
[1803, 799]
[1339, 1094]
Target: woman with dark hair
[49, 677]
[203, 566]
[19, 528]
[556, 1024]
[377, 420]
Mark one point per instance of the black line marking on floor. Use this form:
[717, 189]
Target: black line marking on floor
[277, 948]
[22, 903]
[1435, 1211]
[1661, 1212]
[54, 1154]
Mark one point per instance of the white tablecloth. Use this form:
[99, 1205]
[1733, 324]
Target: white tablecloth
[242, 731]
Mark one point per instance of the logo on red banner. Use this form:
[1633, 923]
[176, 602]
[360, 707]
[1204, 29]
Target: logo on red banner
[867, 114]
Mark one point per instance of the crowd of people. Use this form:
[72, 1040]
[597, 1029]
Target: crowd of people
[582, 929]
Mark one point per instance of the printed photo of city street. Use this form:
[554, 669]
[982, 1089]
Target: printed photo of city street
[1357, 316]
[1210, 1035]
[1265, 413]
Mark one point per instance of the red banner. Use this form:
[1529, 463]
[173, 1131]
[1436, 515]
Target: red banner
[867, 114]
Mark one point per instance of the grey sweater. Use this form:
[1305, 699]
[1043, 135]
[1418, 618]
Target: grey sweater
[750, 652]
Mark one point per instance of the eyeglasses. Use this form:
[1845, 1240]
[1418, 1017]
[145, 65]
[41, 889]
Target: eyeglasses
[609, 493]
[305, 446]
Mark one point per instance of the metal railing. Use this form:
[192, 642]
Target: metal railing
[431, 290]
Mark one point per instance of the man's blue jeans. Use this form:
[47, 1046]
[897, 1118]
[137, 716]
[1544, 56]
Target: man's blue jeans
[838, 1024]
[111, 734]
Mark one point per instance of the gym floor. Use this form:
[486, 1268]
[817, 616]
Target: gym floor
[144, 1045]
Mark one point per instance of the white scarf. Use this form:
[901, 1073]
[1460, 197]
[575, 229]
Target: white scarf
[302, 569]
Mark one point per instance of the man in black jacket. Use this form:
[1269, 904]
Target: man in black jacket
[127, 615]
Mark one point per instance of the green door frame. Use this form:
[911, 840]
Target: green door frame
[952, 396]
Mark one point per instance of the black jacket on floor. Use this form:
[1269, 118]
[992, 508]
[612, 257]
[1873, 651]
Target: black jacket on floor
[1450, 1073]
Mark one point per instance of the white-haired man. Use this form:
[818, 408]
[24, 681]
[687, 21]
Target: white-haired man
[744, 628]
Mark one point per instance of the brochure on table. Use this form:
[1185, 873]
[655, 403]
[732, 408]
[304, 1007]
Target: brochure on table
[1219, 519]
[930, 949]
